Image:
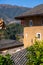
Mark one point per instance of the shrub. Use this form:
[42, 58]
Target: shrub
[5, 60]
[35, 54]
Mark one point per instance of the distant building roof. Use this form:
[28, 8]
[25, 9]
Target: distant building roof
[37, 10]
[19, 58]
[7, 44]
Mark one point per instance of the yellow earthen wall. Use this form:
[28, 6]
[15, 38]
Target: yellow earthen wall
[30, 32]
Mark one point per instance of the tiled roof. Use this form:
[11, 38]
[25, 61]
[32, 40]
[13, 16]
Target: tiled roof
[6, 44]
[19, 58]
[37, 10]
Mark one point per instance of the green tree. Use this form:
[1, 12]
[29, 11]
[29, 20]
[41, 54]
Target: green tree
[35, 54]
[13, 29]
[5, 60]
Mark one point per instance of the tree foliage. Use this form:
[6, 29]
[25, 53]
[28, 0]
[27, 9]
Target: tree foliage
[11, 31]
[5, 60]
[35, 54]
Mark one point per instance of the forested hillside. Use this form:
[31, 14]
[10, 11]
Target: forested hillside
[8, 12]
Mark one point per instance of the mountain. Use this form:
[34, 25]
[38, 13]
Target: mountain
[8, 12]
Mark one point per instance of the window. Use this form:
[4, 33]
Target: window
[30, 23]
[38, 35]
[42, 22]
[26, 35]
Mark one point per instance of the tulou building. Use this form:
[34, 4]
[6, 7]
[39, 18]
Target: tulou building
[2, 24]
[33, 25]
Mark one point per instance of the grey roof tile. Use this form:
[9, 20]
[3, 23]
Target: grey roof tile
[6, 44]
[19, 58]
[37, 10]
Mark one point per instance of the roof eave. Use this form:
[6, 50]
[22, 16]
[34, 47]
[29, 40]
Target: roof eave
[6, 48]
[22, 17]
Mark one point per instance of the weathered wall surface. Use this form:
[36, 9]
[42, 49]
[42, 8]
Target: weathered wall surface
[30, 34]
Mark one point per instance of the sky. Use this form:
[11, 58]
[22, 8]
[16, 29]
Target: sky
[25, 3]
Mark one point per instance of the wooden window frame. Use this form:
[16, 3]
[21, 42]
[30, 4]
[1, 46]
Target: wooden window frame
[30, 23]
[37, 35]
